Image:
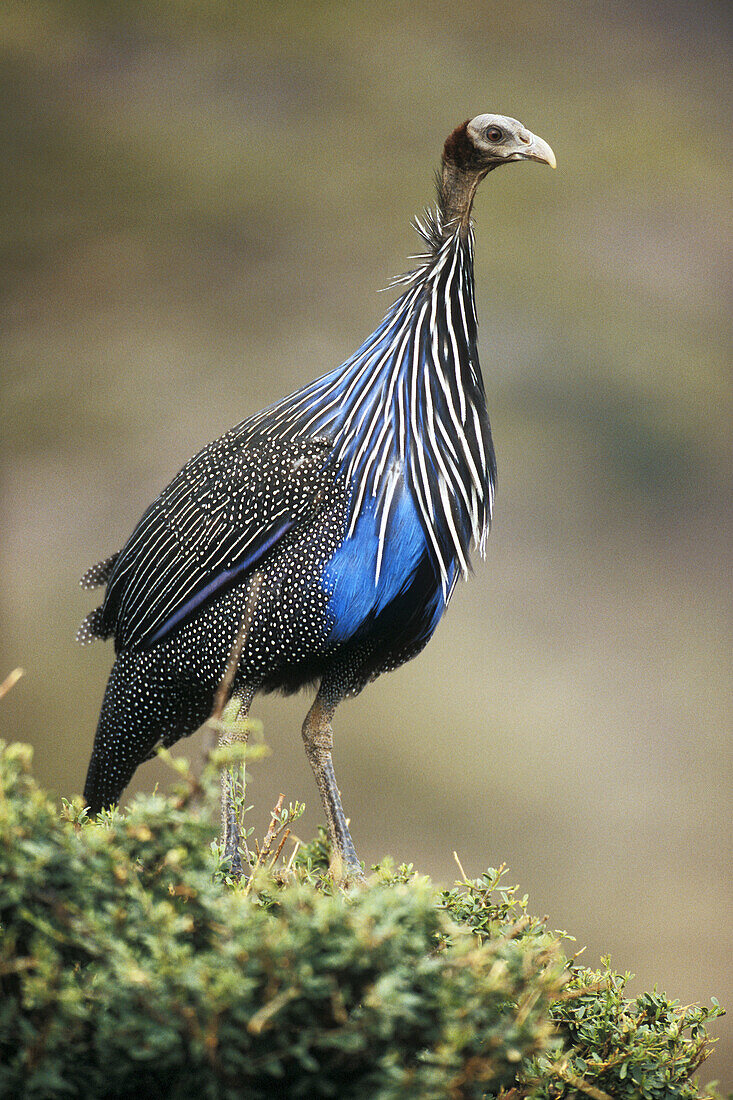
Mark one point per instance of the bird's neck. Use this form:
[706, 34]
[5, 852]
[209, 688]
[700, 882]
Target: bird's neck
[406, 414]
[456, 191]
[412, 410]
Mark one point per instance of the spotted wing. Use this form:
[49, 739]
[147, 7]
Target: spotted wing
[229, 506]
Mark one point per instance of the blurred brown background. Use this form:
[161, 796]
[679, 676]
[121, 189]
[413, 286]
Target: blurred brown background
[199, 203]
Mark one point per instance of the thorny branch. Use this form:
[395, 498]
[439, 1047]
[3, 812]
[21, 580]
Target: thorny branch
[275, 828]
[10, 681]
[221, 698]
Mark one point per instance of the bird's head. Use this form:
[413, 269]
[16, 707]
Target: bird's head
[486, 141]
[476, 147]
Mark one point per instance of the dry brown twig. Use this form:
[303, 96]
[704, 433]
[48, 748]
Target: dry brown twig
[275, 827]
[10, 681]
[221, 736]
[221, 698]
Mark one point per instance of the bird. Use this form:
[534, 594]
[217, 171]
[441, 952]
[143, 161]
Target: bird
[351, 507]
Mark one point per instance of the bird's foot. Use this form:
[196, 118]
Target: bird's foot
[231, 841]
[345, 876]
[345, 867]
[236, 866]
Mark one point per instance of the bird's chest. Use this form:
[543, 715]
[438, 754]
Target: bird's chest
[374, 567]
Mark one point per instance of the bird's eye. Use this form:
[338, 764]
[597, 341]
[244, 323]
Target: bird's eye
[494, 133]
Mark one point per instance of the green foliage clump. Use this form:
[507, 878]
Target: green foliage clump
[646, 1048]
[131, 964]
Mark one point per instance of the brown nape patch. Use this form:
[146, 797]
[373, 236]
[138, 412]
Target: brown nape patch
[459, 149]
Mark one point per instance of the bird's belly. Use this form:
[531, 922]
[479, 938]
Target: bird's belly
[373, 567]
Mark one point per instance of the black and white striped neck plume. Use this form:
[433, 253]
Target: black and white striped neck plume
[409, 406]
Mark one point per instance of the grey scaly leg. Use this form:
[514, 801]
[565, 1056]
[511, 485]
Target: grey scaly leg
[318, 738]
[231, 837]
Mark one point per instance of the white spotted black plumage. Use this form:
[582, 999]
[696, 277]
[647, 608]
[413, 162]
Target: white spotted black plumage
[225, 508]
[356, 499]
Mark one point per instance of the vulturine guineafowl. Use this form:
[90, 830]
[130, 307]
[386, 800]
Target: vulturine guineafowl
[355, 502]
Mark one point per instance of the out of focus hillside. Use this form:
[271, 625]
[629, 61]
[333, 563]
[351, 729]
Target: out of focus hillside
[199, 204]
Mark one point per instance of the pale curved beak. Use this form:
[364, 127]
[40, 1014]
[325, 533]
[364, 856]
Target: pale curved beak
[539, 150]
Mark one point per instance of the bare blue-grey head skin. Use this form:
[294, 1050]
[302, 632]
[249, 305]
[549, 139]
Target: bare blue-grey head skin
[335, 523]
[499, 139]
[477, 147]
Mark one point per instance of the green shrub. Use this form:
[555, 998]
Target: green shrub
[131, 965]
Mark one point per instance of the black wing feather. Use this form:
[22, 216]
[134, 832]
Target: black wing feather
[222, 512]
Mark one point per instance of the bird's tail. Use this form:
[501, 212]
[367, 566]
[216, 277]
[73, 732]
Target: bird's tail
[144, 707]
